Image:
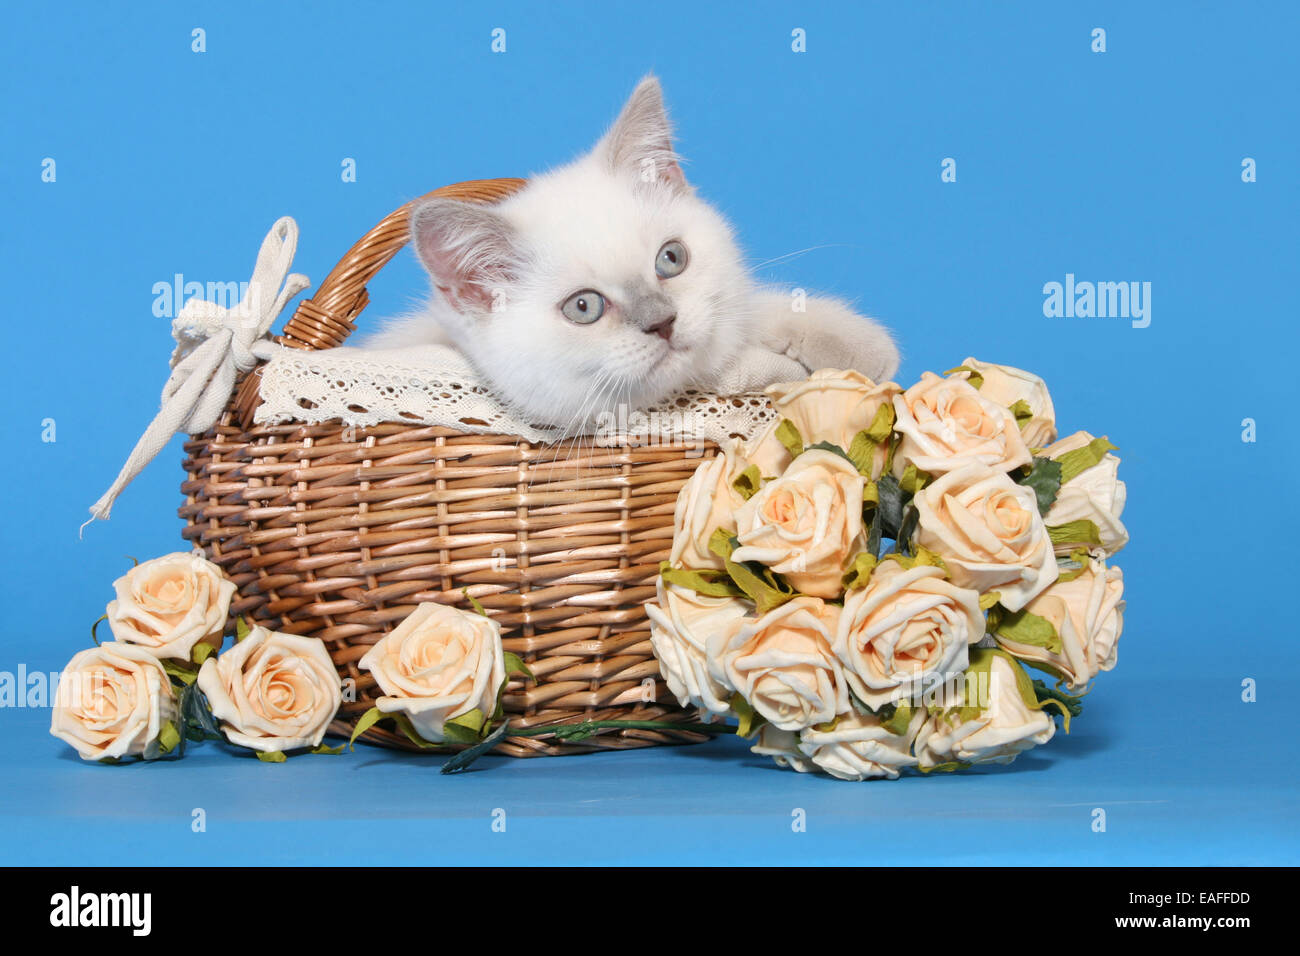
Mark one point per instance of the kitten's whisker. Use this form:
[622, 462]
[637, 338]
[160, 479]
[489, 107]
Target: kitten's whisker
[790, 255]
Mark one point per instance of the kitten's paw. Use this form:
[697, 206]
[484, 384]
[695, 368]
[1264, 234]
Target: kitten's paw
[828, 334]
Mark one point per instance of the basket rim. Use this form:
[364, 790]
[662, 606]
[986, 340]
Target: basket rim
[328, 316]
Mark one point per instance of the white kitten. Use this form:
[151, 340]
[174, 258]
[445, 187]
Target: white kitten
[609, 281]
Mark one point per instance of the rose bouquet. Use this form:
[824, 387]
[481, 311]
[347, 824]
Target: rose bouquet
[863, 585]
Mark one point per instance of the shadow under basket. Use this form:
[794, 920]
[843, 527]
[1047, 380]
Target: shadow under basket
[339, 533]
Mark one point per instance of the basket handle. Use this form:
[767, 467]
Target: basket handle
[327, 319]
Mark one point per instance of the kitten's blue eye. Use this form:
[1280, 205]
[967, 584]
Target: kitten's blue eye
[584, 307]
[672, 259]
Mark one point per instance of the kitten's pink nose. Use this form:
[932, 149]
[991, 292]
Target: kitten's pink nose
[663, 329]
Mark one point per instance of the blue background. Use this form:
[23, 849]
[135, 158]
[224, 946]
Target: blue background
[1117, 166]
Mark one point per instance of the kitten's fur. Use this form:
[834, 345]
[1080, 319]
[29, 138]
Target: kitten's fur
[502, 272]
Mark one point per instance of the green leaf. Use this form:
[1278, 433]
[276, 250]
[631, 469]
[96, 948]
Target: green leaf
[93, 636]
[752, 580]
[1025, 628]
[788, 435]
[890, 509]
[472, 602]
[1072, 703]
[169, 737]
[760, 585]
[323, 749]
[748, 482]
[913, 480]
[871, 494]
[975, 378]
[709, 582]
[882, 424]
[897, 722]
[859, 571]
[1021, 410]
[1079, 460]
[366, 721]
[1073, 532]
[201, 652]
[472, 721]
[861, 451]
[903, 542]
[457, 734]
[242, 630]
[185, 673]
[750, 719]
[833, 449]
[1045, 479]
[515, 666]
[461, 761]
[875, 530]
[722, 542]
[923, 558]
[274, 756]
[199, 722]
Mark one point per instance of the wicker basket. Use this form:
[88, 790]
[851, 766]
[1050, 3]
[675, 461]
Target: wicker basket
[341, 533]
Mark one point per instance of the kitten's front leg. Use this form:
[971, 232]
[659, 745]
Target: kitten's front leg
[827, 334]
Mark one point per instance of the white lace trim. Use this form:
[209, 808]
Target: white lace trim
[434, 385]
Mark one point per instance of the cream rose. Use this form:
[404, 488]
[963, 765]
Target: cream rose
[1095, 494]
[946, 424]
[681, 623]
[113, 701]
[272, 692]
[707, 501]
[859, 748]
[170, 604]
[783, 664]
[833, 405]
[1007, 386]
[783, 747]
[806, 524]
[905, 633]
[440, 663]
[988, 531]
[1007, 727]
[1088, 614]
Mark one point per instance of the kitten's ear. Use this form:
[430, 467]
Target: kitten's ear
[641, 139]
[468, 248]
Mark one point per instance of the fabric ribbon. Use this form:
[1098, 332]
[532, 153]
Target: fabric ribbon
[213, 345]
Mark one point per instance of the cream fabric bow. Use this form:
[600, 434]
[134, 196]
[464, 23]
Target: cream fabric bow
[214, 344]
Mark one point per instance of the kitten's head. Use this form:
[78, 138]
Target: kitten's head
[603, 281]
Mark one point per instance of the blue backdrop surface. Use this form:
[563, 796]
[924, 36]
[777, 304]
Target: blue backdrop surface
[1171, 158]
